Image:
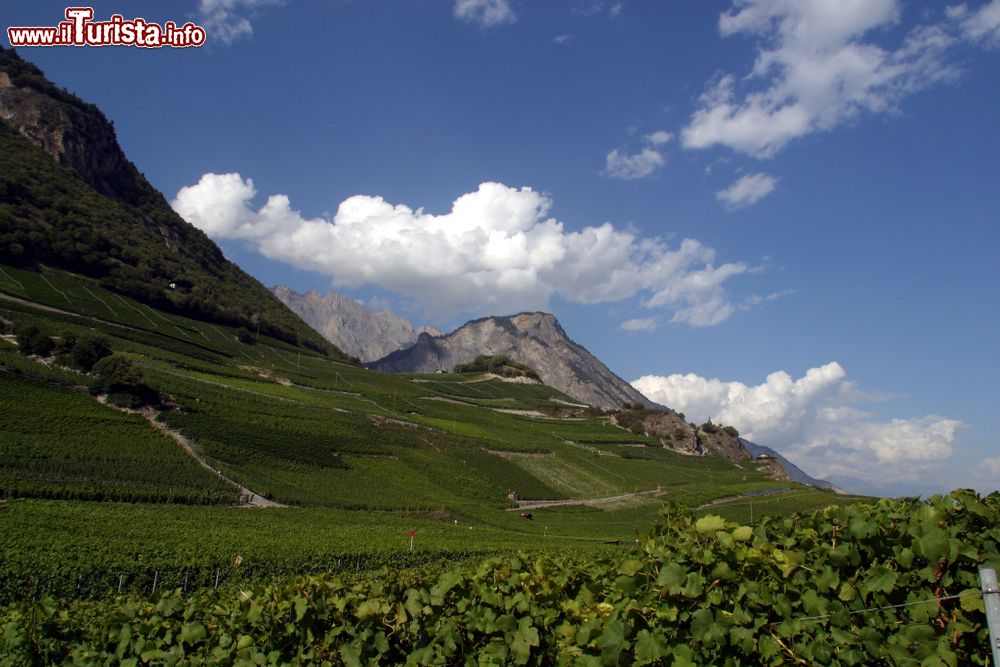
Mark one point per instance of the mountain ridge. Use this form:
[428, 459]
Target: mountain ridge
[354, 328]
[534, 338]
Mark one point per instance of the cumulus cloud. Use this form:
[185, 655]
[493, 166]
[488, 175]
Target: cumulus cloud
[815, 420]
[642, 324]
[228, 20]
[813, 71]
[631, 167]
[562, 40]
[747, 190]
[496, 250]
[989, 469]
[981, 25]
[659, 137]
[485, 13]
[627, 166]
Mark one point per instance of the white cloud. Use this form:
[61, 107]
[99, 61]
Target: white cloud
[631, 167]
[989, 469]
[643, 324]
[981, 25]
[626, 166]
[228, 20]
[599, 7]
[485, 13]
[814, 420]
[659, 137]
[495, 251]
[747, 190]
[813, 71]
[562, 40]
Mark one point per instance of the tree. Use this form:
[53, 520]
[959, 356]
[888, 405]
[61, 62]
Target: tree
[731, 430]
[244, 336]
[32, 340]
[64, 348]
[88, 351]
[118, 377]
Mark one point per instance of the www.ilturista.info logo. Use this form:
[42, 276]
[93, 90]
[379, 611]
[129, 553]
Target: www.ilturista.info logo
[79, 29]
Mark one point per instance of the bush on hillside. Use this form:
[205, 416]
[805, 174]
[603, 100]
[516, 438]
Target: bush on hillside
[32, 340]
[118, 377]
[498, 365]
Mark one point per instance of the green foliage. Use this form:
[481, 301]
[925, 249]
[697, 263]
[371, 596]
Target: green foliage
[89, 350]
[856, 585]
[731, 431]
[32, 340]
[244, 336]
[123, 382]
[709, 427]
[499, 365]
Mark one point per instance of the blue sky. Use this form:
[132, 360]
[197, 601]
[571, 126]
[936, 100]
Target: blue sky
[780, 214]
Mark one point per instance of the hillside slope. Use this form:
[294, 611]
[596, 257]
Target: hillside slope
[358, 331]
[69, 198]
[534, 339]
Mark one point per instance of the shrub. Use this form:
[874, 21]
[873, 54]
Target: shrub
[32, 340]
[118, 377]
[709, 427]
[89, 350]
[731, 430]
[244, 336]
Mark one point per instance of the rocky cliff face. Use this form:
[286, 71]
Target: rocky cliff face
[534, 339]
[358, 331]
[73, 132]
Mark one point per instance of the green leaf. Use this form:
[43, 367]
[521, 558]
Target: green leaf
[631, 566]
[743, 533]
[525, 637]
[880, 580]
[709, 523]
[192, 633]
[648, 647]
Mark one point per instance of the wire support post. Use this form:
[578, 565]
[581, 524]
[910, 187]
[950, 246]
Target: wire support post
[991, 601]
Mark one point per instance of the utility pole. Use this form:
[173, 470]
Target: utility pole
[991, 601]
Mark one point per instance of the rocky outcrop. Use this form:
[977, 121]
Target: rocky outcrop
[74, 133]
[358, 331]
[673, 432]
[793, 472]
[535, 339]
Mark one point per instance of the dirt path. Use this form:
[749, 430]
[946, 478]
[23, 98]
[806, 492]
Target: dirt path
[539, 504]
[256, 500]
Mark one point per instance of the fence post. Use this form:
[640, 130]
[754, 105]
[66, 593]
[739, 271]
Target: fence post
[991, 601]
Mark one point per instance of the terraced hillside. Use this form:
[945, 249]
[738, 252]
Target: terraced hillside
[357, 457]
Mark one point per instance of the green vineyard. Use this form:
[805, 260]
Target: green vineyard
[892, 583]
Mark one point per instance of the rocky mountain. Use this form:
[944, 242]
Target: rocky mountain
[795, 473]
[357, 330]
[71, 199]
[534, 339]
